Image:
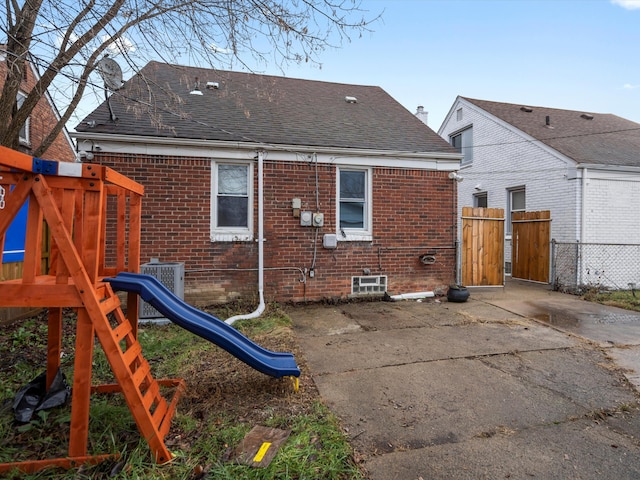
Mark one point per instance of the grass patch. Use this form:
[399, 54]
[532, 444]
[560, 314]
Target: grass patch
[224, 399]
[627, 299]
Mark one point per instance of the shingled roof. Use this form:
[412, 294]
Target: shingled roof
[585, 137]
[247, 107]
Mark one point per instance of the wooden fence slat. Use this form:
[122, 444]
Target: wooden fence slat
[531, 250]
[482, 246]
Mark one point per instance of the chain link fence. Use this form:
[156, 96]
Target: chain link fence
[577, 267]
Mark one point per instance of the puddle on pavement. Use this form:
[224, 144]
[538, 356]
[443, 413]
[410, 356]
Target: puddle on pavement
[603, 324]
[569, 320]
[558, 319]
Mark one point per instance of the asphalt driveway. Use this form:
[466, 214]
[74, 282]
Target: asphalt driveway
[491, 388]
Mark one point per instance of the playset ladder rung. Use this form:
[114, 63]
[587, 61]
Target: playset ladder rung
[122, 330]
[141, 374]
[160, 411]
[133, 353]
[110, 304]
[151, 396]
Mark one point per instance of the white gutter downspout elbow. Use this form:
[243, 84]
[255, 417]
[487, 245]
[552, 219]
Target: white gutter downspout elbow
[261, 307]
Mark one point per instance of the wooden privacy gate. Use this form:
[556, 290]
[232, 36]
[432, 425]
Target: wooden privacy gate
[482, 246]
[530, 250]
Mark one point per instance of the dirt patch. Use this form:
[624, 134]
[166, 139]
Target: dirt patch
[219, 386]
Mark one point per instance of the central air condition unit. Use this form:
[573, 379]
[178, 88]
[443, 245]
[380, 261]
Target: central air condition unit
[171, 275]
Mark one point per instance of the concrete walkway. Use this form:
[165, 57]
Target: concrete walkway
[515, 383]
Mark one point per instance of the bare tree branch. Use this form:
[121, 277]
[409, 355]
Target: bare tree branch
[66, 39]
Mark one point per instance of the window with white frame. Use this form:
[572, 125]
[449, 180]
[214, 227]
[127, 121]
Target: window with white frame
[24, 131]
[515, 203]
[463, 141]
[231, 202]
[354, 204]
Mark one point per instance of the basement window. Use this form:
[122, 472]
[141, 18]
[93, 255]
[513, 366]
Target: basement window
[368, 285]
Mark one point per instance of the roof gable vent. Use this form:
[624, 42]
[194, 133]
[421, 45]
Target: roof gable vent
[350, 99]
[526, 109]
[587, 116]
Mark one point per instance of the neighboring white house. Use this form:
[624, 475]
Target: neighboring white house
[583, 167]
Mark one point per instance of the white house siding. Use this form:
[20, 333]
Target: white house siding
[505, 158]
[611, 228]
[611, 207]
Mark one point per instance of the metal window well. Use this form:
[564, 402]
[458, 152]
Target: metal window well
[171, 275]
[368, 285]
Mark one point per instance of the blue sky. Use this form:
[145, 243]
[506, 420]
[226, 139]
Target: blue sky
[571, 54]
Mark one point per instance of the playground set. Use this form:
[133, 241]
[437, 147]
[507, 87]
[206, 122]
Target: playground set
[93, 214]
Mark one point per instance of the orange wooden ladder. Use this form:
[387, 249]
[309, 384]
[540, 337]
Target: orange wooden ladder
[73, 200]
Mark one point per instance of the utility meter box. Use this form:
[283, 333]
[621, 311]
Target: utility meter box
[306, 218]
[318, 219]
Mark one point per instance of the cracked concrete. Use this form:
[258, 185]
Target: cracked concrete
[488, 388]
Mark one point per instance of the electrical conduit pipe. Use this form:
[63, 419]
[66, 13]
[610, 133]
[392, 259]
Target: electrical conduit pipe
[256, 313]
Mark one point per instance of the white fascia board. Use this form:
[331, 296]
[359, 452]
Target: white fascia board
[128, 144]
[608, 168]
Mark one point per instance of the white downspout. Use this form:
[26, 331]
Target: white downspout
[583, 216]
[261, 307]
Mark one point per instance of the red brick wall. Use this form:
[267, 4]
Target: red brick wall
[413, 211]
[41, 122]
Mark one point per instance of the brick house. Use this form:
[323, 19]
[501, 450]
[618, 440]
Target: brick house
[348, 189]
[583, 167]
[44, 116]
[38, 125]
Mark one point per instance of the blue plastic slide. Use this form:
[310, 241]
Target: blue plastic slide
[204, 325]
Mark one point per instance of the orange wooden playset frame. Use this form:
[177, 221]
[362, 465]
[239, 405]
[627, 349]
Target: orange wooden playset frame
[83, 206]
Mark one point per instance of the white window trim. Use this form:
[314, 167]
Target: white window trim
[509, 228]
[26, 140]
[356, 234]
[230, 234]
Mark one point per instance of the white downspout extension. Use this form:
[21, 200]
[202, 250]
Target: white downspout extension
[261, 307]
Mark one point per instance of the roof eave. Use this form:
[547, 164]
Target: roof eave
[203, 148]
[609, 168]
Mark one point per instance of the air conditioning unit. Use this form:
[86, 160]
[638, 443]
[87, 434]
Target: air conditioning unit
[171, 275]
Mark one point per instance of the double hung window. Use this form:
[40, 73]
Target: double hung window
[354, 204]
[232, 200]
[463, 141]
[515, 203]
[24, 131]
